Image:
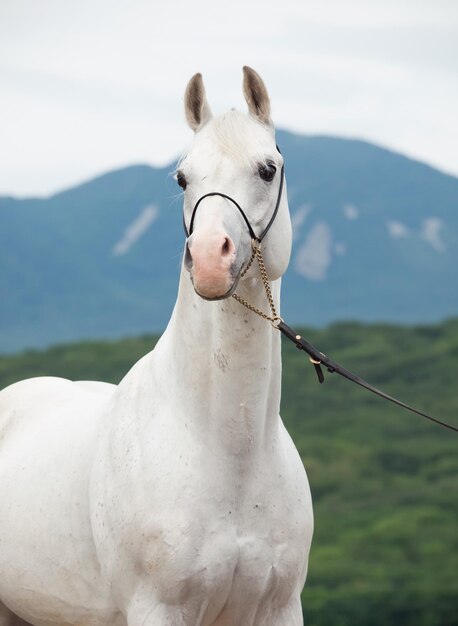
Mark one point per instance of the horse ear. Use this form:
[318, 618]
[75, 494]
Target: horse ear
[256, 95]
[195, 103]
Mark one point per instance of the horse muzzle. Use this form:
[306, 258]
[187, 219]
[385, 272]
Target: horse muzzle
[211, 262]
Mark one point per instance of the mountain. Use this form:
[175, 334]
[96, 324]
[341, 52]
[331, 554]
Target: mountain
[375, 238]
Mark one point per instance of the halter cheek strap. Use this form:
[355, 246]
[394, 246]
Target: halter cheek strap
[253, 235]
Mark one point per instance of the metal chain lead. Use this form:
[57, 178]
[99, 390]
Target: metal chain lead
[250, 262]
[274, 318]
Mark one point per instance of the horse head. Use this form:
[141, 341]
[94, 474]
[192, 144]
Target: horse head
[232, 177]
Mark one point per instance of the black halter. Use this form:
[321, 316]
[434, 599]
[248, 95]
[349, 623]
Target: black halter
[317, 358]
[253, 235]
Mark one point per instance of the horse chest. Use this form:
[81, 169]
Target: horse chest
[242, 550]
[225, 567]
[200, 527]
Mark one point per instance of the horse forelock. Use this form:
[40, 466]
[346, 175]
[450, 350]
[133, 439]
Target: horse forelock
[244, 139]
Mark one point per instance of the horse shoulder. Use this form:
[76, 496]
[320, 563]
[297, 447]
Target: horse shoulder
[48, 434]
[23, 403]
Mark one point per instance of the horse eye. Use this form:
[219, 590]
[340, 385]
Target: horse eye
[181, 180]
[267, 171]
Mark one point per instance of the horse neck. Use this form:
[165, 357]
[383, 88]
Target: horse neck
[224, 363]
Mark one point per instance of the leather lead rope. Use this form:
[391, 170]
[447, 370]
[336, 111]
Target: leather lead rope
[317, 358]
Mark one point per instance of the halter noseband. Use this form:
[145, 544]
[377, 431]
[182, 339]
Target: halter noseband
[253, 235]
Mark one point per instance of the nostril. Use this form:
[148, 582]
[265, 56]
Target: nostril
[227, 246]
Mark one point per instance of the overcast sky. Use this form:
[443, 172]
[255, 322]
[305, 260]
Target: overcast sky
[91, 85]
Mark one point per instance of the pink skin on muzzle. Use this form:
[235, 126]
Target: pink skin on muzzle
[212, 258]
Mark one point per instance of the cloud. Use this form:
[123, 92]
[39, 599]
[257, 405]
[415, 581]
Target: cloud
[397, 230]
[430, 232]
[136, 229]
[113, 95]
[350, 212]
[340, 249]
[298, 218]
[315, 255]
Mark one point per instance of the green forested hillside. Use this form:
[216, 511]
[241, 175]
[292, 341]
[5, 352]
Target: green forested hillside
[384, 481]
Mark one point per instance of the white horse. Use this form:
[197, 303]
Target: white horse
[176, 497]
